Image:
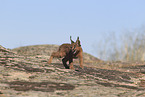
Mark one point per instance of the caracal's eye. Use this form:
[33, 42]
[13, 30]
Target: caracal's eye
[74, 47]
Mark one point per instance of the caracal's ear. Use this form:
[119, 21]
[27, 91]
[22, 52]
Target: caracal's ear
[78, 41]
[71, 40]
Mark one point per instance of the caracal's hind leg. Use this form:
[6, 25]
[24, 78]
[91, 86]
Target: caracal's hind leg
[55, 54]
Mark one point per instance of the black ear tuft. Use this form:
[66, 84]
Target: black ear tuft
[78, 41]
[71, 40]
[77, 38]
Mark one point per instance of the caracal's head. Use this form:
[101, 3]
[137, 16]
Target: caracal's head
[75, 46]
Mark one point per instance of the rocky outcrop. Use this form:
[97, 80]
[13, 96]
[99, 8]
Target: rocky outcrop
[26, 73]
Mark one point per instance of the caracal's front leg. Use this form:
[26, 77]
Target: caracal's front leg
[71, 64]
[64, 60]
[81, 60]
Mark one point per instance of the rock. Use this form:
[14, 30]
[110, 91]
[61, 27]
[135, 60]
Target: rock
[26, 73]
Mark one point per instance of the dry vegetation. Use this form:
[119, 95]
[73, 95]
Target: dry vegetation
[128, 46]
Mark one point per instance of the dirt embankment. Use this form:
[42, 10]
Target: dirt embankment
[25, 73]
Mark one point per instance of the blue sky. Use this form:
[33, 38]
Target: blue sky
[32, 22]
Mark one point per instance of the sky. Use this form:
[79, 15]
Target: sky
[34, 22]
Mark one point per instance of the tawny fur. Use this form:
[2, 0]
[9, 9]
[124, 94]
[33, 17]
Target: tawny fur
[68, 52]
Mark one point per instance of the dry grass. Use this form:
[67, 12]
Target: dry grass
[129, 46]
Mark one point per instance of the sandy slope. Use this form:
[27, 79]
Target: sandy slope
[27, 74]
